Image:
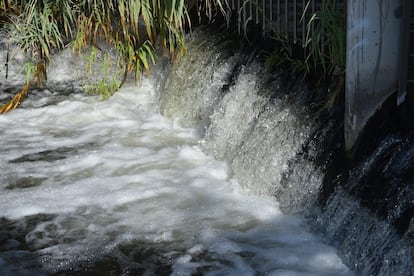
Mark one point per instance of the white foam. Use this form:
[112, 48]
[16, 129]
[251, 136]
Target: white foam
[117, 172]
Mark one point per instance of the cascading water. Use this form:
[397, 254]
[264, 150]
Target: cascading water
[248, 120]
[278, 144]
[370, 214]
[94, 187]
[90, 186]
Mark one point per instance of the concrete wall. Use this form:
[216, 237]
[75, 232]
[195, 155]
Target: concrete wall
[372, 71]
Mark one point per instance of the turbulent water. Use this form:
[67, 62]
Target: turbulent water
[91, 186]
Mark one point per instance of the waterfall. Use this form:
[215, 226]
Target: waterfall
[370, 213]
[114, 187]
[246, 118]
[278, 145]
[213, 165]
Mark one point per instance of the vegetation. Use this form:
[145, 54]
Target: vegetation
[324, 48]
[39, 76]
[135, 28]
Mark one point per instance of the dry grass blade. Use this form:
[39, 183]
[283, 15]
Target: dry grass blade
[17, 99]
[38, 77]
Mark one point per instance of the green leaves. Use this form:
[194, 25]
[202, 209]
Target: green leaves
[35, 30]
[326, 45]
[210, 7]
[30, 69]
[142, 56]
[134, 27]
[324, 48]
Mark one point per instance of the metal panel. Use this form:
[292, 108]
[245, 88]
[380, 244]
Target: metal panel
[295, 22]
[286, 17]
[373, 45]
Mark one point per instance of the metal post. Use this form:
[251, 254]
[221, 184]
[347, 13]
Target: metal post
[271, 11]
[278, 16]
[7, 60]
[244, 17]
[264, 18]
[303, 16]
[238, 17]
[323, 40]
[294, 22]
[286, 17]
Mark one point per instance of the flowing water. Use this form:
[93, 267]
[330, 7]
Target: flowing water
[90, 186]
[114, 185]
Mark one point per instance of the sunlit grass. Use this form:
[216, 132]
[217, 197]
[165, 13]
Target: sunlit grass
[135, 28]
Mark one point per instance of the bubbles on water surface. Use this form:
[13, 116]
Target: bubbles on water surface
[95, 187]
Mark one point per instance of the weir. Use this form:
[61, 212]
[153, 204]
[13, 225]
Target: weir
[95, 187]
[90, 186]
[277, 144]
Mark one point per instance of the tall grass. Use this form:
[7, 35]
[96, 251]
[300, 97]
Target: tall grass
[135, 28]
[325, 43]
[324, 49]
[326, 37]
[35, 29]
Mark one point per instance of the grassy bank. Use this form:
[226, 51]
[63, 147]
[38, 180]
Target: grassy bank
[137, 28]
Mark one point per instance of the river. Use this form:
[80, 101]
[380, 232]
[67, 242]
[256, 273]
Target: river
[117, 188]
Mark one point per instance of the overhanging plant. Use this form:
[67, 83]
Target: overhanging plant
[135, 28]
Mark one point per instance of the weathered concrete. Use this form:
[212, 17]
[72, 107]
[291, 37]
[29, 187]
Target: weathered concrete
[373, 60]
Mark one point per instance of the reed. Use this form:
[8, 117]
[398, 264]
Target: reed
[35, 29]
[135, 28]
[326, 44]
[324, 49]
[39, 75]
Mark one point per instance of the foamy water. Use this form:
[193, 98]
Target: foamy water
[92, 186]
